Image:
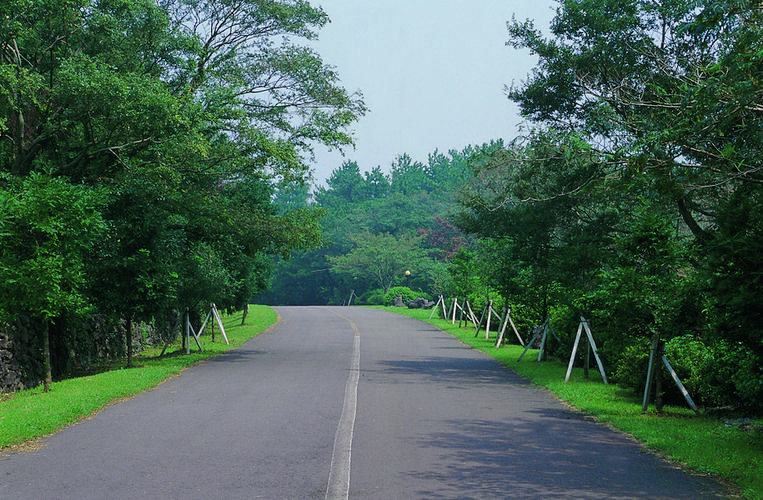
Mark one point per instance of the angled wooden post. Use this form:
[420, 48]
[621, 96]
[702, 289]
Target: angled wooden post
[593, 347]
[482, 316]
[461, 314]
[650, 372]
[529, 344]
[544, 327]
[439, 299]
[471, 316]
[220, 323]
[680, 385]
[195, 336]
[516, 332]
[574, 351]
[502, 327]
[187, 333]
[487, 325]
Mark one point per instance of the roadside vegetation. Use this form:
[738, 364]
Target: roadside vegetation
[155, 157]
[31, 414]
[727, 446]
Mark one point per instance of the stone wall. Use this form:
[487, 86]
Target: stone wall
[10, 372]
[20, 363]
[75, 348]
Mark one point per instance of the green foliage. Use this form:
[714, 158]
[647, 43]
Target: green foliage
[381, 258]
[183, 117]
[372, 298]
[46, 227]
[636, 200]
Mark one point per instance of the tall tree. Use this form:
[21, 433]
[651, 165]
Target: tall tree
[184, 114]
[670, 92]
[46, 228]
[382, 258]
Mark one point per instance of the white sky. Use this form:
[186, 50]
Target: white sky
[432, 73]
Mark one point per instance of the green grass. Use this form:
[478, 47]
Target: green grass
[28, 415]
[701, 443]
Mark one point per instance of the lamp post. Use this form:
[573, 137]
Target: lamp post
[407, 278]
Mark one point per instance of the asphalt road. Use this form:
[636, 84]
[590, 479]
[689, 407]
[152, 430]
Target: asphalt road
[344, 403]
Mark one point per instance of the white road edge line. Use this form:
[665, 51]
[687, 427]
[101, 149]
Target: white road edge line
[339, 473]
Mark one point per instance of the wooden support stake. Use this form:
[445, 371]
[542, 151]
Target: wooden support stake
[461, 314]
[439, 299]
[680, 385]
[203, 325]
[529, 344]
[502, 327]
[472, 316]
[186, 337]
[513, 327]
[544, 327]
[593, 347]
[650, 372]
[487, 325]
[574, 350]
[195, 336]
[479, 325]
[220, 323]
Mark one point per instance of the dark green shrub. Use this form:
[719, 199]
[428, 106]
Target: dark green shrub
[632, 365]
[372, 298]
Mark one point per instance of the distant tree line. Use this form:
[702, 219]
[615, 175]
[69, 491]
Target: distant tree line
[376, 226]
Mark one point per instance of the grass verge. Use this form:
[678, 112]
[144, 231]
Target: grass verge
[31, 414]
[701, 443]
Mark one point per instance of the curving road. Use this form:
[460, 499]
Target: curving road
[338, 402]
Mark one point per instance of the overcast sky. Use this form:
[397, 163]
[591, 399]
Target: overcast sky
[432, 73]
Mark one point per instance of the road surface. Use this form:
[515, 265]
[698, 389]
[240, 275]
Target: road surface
[344, 402]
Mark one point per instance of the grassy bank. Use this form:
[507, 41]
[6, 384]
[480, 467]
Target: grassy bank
[701, 443]
[31, 414]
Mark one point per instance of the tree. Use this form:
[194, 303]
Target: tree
[381, 258]
[666, 88]
[184, 114]
[46, 227]
[668, 93]
[540, 202]
[408, 176]
[343, 187]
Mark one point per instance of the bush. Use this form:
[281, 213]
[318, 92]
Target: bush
[631, 367]
[372, 298]
[714, 375]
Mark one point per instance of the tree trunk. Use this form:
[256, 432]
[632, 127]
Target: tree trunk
[658, 402]
[691, 222]
[243, 316]
[128, 341]
[46, 355]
